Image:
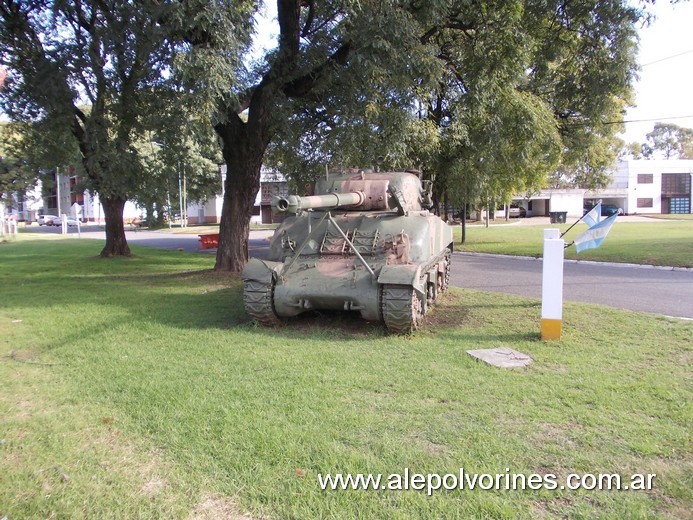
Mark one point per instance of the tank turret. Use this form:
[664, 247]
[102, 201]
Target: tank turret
[364, 242]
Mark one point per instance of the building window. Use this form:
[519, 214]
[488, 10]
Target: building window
[645, 178]
[676, 184]
[75, 196]
[51, 199]
[266, 193]
[644, 203]
[680, 205]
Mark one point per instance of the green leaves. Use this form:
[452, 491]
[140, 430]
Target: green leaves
[493, 94]
[669, 140]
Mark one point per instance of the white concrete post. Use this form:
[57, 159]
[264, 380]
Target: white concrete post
[552, 285]
[14, 227]
[63, 221]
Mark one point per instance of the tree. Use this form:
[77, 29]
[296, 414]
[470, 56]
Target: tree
[181, 157]
[631, 150]
[669, 140]
[520, 90]
[94, 71]
[11, 171]
[316, 40]
[25, 155]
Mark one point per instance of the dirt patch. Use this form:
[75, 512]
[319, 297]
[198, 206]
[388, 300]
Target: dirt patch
[432, 448]
[153, 487]
[449, 311]
[562, 435]
[553, 508]
[216, 507]
[346, 324]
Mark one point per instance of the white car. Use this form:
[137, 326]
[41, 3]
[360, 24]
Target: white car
[43, 219]
[57, 221]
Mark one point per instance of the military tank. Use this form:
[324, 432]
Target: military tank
[363, 242]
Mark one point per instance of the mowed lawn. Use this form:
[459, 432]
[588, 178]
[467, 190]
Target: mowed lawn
[664, 242]
[137, 388]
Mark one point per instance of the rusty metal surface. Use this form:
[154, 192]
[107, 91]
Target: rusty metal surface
[363, 242]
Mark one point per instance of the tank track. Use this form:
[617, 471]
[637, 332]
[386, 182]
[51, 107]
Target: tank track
[446, 275]
[401, 308]
[257, 298]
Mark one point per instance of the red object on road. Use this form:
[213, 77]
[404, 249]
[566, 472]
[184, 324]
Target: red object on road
[210, 241]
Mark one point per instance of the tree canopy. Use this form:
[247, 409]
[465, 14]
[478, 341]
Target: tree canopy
[489, 95]
[497, 96]
[669, 141]
[97, 73]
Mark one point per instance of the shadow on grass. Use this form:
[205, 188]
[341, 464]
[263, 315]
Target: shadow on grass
[165, 287]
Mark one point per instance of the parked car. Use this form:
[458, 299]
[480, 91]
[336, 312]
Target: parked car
[57, 221]
[611, 209]
[41, 219]
[517, 211]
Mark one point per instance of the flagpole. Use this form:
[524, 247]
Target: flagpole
[578, 220]
[571, 227]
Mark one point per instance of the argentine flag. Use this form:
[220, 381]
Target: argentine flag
[595, 235]
[594, 216]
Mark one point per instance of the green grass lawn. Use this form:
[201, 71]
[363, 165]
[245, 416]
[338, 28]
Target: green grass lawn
[667, 243]
[136, 388]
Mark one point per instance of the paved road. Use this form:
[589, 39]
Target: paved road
[164, 240]
[636, 288]
[659, 291]
[641, 289]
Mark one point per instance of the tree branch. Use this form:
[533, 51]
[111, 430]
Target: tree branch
[310, 18]
[301, 86]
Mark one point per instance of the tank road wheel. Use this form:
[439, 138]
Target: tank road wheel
[402, 308]
[445, 275]
[258, 300]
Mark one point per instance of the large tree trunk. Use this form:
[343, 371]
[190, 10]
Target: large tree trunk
[116, 243]
[243, 157]
[244, 143]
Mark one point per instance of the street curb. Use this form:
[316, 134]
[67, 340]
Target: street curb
[582, 262]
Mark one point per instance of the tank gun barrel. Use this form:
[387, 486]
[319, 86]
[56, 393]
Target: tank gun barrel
[295, 204]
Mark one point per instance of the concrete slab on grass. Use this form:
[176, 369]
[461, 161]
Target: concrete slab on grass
[502, 357]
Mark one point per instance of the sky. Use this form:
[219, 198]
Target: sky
[664, 91]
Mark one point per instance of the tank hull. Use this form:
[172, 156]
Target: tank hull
[387, 265]
[330, 284]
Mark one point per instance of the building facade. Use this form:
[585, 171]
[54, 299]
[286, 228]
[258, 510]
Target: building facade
[637, 187]
[209, 211]
[66, 198]
[651, 186]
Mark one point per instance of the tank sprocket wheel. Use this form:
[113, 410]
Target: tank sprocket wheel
[258, 301]
[401, 307]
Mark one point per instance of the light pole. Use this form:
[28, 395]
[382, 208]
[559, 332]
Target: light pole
[57, 190]
[184, 213]
[180, 195]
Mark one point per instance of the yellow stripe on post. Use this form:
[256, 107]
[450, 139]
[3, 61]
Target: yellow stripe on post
[551, 329]
[552, 285]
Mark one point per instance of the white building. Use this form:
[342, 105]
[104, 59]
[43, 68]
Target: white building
[209, 211]
[64, 198]
[649, 186]
[638, 186]
[569, 201]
